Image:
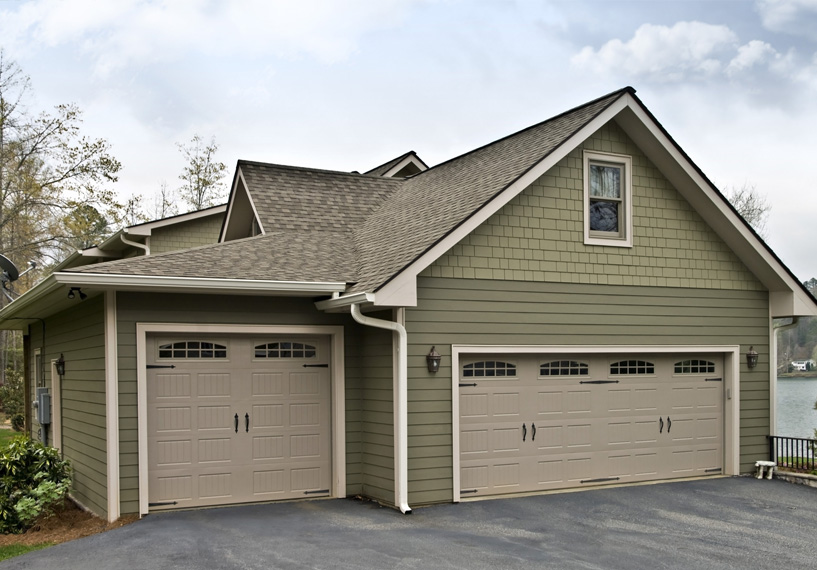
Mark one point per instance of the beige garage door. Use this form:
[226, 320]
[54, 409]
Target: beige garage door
[534, 422]
[236, 419]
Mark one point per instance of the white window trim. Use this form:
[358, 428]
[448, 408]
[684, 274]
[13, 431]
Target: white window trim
[335, 334]
[626, 162]
[731, 381]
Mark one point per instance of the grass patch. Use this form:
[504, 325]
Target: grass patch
[12, 550]
[6, 435]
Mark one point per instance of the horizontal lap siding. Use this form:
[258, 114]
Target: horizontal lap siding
[202, 231]
[377, 413]
[79, 334]
[470, 311]
[215, 309]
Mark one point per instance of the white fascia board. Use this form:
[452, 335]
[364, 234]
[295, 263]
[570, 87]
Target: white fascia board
[197, 284]
[734, 232]
[791, 304]
[29, 298]
[239, 183]
[401, 291]
[345, 301]
[410, 159]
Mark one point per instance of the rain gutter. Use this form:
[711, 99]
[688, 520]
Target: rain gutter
[400, 387]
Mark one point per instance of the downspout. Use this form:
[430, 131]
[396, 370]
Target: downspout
[126, 241]
[773, 372]
[400, 389]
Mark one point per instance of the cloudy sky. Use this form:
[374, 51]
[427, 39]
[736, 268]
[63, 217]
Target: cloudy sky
[350, 84]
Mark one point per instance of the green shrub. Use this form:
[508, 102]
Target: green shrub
[12, 398]
[34, 481]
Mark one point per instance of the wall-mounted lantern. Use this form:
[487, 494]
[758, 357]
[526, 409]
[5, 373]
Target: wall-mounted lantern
[433, 360]
[60, 364]
[751, 357]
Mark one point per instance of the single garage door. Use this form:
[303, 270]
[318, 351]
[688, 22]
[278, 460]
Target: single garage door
[237, 419]
[538, 422]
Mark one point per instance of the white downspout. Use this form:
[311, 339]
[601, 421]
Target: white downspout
[400, 390]
[126, 241]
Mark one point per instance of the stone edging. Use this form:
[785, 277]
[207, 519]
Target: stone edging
[797, 478]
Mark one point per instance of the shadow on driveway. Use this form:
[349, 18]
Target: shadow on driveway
[709, 524]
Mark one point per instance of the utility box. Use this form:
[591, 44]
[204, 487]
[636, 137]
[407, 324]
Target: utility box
[43, 406]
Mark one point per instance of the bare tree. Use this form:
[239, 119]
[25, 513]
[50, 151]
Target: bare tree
[202, 174]
[164, 203]
[752, 205]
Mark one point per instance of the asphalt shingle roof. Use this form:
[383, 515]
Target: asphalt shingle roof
[311, 256]
[362, 229]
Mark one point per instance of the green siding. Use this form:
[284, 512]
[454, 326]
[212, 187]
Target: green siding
[221, 309]
[376, 413]
[539, 235]
[79, 334]
[202, 231]
[473, 311]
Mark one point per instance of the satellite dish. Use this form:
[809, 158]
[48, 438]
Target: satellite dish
[10, 271]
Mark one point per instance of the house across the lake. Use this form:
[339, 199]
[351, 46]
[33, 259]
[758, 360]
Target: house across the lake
[573, 305]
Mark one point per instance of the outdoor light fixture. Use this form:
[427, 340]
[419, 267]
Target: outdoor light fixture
[82, 296]
[751, 357]
[433, 360]
[60, 364]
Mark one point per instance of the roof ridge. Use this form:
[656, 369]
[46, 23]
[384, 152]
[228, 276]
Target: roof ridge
[617, 93]
[392, 161]
[310, 169]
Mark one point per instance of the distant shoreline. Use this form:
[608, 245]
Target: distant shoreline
[796, 375]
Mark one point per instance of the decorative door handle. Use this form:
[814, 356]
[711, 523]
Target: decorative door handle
[660, 425]
[524, 432]
[236, 423]
[247, 422]
[533, 435]
[669, 424]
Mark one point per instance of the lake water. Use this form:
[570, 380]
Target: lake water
[796, 416]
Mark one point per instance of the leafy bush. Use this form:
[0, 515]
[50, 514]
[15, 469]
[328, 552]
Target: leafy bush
[34, 481]
[12, 397]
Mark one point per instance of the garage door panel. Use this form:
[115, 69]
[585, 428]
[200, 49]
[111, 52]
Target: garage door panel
[174, 452]
[172, 386]
[215, 450]
[213, 385]
[173, 419]
[267, 416]
[615, 420]
[268, 447]
[268, 384]
[474, 441]
[474, 406]
[282, 447]
[215, 417]
[474, 477]
[549, 404]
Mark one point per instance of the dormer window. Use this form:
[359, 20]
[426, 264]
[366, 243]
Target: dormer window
[608, 199]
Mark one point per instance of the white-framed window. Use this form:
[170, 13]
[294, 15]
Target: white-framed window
[608, 202]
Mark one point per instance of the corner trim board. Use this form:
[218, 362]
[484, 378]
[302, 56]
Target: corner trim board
[112, 406]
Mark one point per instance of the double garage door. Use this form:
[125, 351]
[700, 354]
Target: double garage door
[235, 419]
[538, 422]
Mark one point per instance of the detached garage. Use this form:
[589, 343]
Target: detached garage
[573, 305]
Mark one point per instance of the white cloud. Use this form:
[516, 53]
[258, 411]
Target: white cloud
[662, 52]
[126, 32]
[797, 17]
[755, 53]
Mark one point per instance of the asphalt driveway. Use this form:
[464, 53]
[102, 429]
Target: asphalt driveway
[710, 524]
